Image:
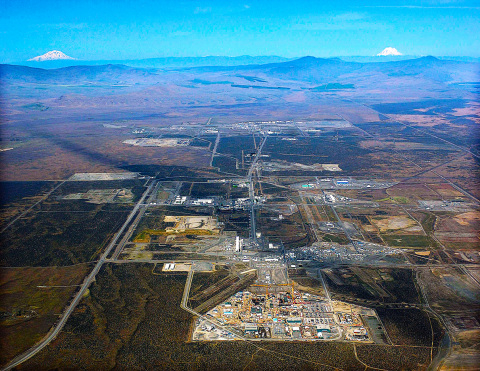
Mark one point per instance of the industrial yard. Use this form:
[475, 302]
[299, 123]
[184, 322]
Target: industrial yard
[286, 315]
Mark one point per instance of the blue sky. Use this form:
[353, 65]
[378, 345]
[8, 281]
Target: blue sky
[119, 29]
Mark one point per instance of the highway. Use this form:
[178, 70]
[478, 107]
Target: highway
[141, 208]
[79, 295]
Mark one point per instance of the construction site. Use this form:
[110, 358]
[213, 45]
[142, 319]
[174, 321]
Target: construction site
[281, 312]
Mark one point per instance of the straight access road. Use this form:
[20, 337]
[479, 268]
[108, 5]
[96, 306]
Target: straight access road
[78, 297]
[31, 207]
[251, 191]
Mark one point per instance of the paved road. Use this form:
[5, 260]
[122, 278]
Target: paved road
[86, 283]
[215, 148]
[127, 235]
[342, 225]
[251, 190]
[31, 207]
[186, 292]
[325, 288]
[139, 205]
[183, 305]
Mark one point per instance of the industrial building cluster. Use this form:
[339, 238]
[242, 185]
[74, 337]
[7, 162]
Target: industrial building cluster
[285, 315]
[241, 203]
[332, 251]
[341, 183]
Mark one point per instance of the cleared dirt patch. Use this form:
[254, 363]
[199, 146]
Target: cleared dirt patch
[393, 223]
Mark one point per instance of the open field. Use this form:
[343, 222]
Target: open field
[62, 232]
[459, 231]
[449, 289]
[31, 300]
[17, 197]
[378, 287]
[466, 355]
[291, 229]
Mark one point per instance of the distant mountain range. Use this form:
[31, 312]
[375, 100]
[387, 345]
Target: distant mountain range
[56, 59]
[306, 71]
[165, 62]
[116, 90]
[322, 70]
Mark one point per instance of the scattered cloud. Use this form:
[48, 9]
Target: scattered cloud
[351, 16]
[200, 10]
[432, 4]
[65, 26]
[246, 6]
[422, 7]
[181, 33]
[343, 21]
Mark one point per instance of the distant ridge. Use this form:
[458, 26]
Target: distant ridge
[162, 62]
[219, 61]
[315, 71]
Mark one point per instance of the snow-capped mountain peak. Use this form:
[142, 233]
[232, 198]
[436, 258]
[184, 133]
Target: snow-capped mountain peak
[389, 51]
[51, 56]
